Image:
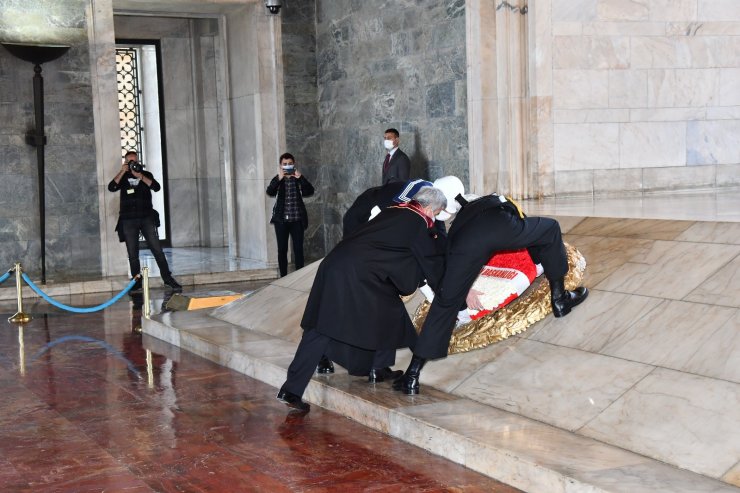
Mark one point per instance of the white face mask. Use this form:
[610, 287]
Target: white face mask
[388, 144]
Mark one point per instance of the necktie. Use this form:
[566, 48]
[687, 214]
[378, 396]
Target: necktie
[386, 162]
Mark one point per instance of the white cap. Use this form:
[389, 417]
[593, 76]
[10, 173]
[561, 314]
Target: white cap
[451, 186]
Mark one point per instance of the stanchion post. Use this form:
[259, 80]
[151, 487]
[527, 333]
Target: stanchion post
[145, 285]
[19, 317]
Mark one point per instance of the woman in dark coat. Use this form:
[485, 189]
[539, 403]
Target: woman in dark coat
[289, 214]
[354, 307]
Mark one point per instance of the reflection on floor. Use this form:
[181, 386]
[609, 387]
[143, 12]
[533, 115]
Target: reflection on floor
[637, 390]
[89, 406]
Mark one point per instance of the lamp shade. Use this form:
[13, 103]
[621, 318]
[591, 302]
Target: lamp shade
[36, 54]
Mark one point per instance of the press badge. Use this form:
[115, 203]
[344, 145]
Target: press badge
[130, 191]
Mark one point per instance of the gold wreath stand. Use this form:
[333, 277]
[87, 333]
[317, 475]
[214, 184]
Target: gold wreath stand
[532, 306]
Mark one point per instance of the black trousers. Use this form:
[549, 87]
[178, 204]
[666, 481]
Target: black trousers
[294, 229]
[469, 248]
[312, 347]
[148, 228]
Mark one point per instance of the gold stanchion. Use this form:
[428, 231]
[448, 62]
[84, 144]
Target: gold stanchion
[21, 352]
[19, 317]
[145, 285]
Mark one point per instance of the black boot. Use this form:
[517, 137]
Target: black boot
[325, 366]
[172, 283]
[563, 301]
[408, 383]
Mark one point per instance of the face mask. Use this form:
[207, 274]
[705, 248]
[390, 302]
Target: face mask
[388, 144]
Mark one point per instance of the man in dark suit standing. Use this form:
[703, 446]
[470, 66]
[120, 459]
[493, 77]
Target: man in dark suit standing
[397, 165]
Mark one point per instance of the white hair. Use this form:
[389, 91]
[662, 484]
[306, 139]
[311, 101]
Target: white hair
[431, 196]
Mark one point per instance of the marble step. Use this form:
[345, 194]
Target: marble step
[522, 452]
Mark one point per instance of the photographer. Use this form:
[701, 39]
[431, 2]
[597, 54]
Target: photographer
[136, 215]
[289, 214]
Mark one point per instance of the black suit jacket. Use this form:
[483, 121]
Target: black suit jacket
[399, 168]
[383, 196]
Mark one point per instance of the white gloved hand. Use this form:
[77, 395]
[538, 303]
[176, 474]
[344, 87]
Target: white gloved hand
[427, 292]
[463, 317]
[374, 212]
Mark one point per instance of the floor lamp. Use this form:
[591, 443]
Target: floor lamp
[38, 54]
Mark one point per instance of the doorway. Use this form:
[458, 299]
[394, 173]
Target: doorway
[141, 114]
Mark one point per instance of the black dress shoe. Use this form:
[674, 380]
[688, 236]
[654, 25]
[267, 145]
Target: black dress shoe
[563, 301]
[377, 375]
[408, 383]
[293, 401]
[174, 285]
[325, 366]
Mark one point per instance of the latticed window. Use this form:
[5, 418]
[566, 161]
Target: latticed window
[129, 106]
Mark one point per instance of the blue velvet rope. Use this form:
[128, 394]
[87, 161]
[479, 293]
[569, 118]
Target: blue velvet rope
[75, 309]
[5, 276]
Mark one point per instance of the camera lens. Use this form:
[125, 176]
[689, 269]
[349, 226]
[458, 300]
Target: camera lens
[135, 166]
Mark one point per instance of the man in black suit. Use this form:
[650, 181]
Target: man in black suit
[481, 228]
[397, 165]
[375, 199]
[354, 312]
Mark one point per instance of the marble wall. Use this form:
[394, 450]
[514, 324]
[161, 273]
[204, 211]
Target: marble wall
[72, 222]
[302, 129]
[644, 95]
[379, 64]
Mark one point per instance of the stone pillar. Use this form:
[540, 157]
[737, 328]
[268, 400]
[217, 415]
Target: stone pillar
[539, 70]
[107, 130]
[501, 127]
[258, 128]
[483, 135]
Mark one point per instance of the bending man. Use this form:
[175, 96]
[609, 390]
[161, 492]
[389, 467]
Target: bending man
[480, 229]
[354, 312]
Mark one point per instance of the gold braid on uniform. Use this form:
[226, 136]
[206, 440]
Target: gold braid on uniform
[532, 306]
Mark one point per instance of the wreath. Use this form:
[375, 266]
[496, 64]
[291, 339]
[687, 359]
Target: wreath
[515, 296]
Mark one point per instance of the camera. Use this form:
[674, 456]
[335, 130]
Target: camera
[273, 5]
[289, 170]
[135, 166]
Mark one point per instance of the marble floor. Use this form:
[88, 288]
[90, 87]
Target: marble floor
[191, 266]
[716, 206]
[637, 390]
[90, 405]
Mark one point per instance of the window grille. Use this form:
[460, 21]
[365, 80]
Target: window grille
[129, 105]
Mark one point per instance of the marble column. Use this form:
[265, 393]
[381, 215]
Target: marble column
[503, 115]
[107, 130]
[257, 125]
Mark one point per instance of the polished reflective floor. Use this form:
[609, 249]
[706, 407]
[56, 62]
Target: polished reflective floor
[89, 404]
